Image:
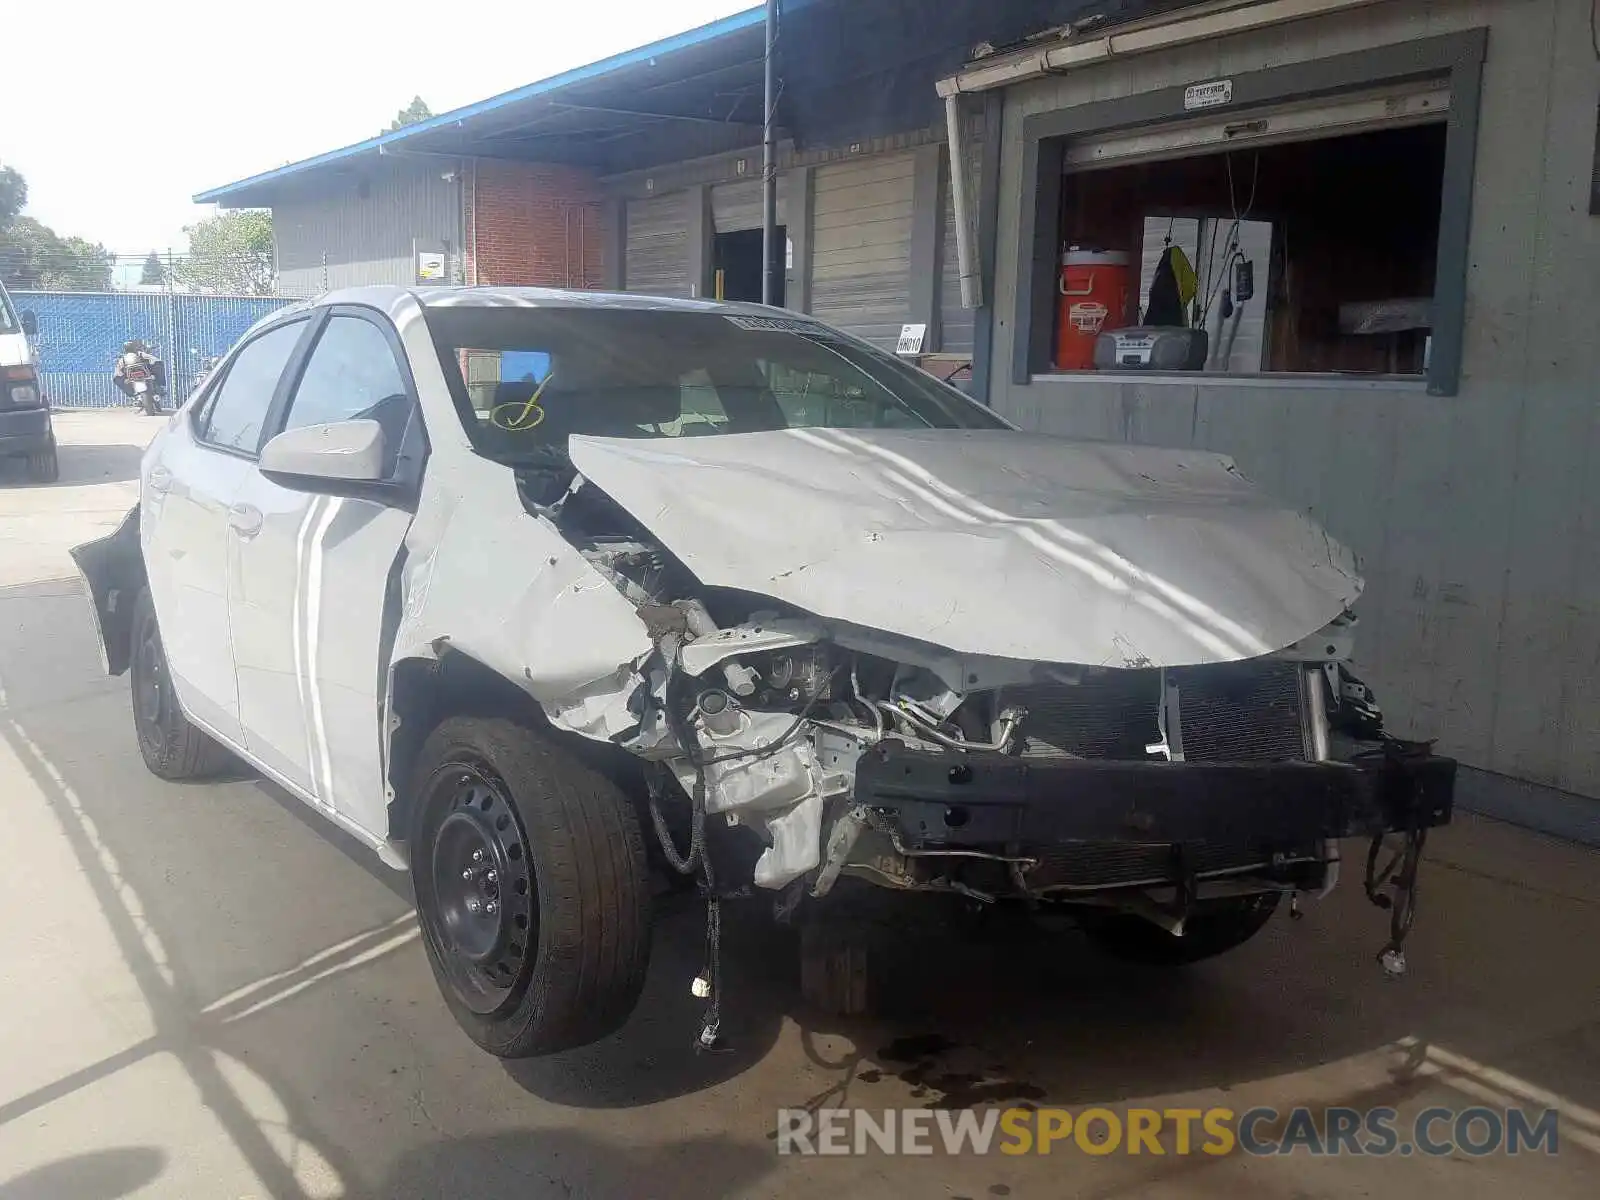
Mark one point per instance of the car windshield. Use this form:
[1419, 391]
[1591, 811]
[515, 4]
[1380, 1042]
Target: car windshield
[525, 379]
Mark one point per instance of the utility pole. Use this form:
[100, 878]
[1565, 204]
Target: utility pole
[769, 166]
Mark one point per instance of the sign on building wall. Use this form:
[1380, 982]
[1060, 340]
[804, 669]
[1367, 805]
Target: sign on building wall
[430, 266]
[1208, 95]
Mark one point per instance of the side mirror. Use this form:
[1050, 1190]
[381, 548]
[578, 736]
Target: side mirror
[30, 323]
[320, 458]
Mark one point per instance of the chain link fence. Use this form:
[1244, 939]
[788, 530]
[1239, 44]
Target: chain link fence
[81, 334]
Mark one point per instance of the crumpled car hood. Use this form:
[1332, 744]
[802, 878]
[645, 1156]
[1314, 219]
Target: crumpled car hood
[990, 542]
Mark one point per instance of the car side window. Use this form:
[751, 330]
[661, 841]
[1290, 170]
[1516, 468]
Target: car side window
[352, 375]
[234, 417]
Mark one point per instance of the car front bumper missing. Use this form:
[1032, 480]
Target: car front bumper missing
[1082, 825]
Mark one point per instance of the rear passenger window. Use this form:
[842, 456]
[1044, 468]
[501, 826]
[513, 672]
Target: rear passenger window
[353, 375]
[234, 417]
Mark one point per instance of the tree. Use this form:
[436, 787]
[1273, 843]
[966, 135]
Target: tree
[13, 195]
[152, 272]
[231, 253]
[34, 256]
[416, 111]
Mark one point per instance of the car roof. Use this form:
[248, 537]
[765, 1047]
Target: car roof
[382, 296]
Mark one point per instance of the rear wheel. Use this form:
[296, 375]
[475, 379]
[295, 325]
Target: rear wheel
[1215, 927]
[44, 466]
[171, 746]
[539, 943]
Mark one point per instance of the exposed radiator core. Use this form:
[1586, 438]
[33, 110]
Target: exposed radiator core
[1243, 712]
[1230, 712]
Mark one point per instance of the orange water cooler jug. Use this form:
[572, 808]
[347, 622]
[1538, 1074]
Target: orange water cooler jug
[1094, 298]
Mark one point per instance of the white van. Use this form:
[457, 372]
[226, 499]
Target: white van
[25, 430]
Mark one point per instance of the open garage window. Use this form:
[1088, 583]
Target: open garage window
[1312, 256]
[1312, 223]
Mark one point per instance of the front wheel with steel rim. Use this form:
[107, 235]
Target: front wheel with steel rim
[171, 746]
[532, 887]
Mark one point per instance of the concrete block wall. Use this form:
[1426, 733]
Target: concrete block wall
[534, 225]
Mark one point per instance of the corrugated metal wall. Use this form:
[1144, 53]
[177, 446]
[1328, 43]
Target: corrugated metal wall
[666, 178]
[861, 245]
[658, 246]
[1477, 515]
[737, 205]
[364, 228]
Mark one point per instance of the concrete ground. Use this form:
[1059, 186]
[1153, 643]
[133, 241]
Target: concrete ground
[206, 992]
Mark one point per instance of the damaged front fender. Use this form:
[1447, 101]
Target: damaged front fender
[484, 576]
[112, 570]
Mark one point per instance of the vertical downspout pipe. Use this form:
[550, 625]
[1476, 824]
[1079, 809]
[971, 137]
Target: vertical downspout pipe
[461, 223]
[474, 218]
[769, 166]
[966, 251]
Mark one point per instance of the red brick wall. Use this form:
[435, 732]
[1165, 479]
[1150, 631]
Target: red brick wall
[532, 224]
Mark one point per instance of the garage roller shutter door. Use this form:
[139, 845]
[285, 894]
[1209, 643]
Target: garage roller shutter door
[658, 246]
[737, 205]
[861, 246]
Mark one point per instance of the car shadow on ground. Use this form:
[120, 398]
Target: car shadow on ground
[1000, 1006]
[972, 1008]
[79, 465]
[654, 1057]
[563, 1163]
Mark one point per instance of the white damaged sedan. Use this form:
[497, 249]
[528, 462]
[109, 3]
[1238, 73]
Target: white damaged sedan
[527, 589]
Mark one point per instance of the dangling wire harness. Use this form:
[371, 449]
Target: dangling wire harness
[1393, 886]
[696, 861]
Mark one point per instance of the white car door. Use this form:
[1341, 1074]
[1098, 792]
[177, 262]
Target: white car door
[309, 586]
[191, 481]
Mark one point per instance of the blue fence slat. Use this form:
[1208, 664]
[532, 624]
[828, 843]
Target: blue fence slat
[81, 334]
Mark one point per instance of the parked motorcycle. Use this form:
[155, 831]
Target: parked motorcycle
[141, 376]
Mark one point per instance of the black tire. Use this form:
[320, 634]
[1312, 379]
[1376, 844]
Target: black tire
[1215, 927]
[171, 747]
[560, 959]
[44, 466]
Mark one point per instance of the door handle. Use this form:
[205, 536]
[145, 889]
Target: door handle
[245, 520]
[160, 480]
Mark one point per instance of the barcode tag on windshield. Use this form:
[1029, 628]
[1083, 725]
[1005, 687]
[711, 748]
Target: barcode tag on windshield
[781, 325]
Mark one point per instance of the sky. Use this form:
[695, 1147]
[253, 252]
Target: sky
[221, 91]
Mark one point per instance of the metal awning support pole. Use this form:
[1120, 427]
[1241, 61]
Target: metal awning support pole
[961, 204]
[769, 166]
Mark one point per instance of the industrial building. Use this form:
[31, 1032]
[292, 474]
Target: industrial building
[1389, 207]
